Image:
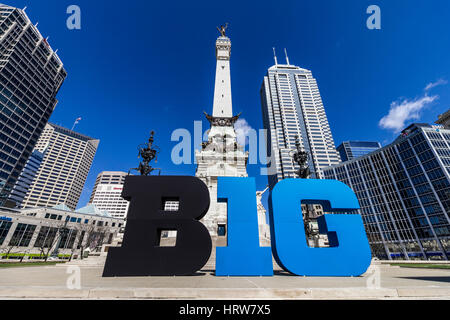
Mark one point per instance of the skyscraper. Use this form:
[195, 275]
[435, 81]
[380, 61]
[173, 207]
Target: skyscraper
[291, 107]
[404, 193]
[26, 178]
[31, 75]
[444, 119]
[107, 193]
[221, 156]
[350, 150]
[64, 168]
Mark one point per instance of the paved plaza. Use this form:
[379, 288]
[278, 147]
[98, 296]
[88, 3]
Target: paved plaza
[51, 283]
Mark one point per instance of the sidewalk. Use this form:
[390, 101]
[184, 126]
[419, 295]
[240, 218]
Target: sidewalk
[50, 283]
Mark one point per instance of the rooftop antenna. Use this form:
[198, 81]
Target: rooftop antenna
[275, 56]
[25, 8]
[287, 58]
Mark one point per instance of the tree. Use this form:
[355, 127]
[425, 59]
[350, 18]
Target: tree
[8, 250]
[17, 240]
[48, 238]
[88, 237]
[81, 230]
[96, 237]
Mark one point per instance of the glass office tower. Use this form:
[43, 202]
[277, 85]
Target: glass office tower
[350, 150]
[404, 193]
[292, 107]
[26, 178]
[30, 77]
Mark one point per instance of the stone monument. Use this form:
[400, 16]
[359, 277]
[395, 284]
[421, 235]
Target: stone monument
[221, 155]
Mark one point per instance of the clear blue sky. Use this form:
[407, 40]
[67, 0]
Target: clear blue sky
[137, 66]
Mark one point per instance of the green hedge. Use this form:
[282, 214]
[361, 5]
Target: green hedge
[31, 255]
[28, 264]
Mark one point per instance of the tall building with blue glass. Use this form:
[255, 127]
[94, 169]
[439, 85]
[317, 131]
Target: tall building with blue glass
[293, 109]
[31, 75]
[404, 193]
[26, 178]
[350, 150]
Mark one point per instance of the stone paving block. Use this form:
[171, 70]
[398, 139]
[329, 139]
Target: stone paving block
[353, 293]
[110, 293]
[43, 293]
[424, 292]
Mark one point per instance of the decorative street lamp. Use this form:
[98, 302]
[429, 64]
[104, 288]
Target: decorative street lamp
[301, 158]
[148, 152]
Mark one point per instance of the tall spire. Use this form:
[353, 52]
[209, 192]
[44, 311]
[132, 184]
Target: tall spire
[287, 58]
[275, 56]
[222, 93]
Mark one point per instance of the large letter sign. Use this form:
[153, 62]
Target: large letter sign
[141, 253]
[349, 253]
[243, 256]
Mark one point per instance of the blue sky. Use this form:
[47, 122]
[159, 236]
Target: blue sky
[138, 66]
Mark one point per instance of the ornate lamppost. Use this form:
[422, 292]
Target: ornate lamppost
[148, 152]
[301, 158]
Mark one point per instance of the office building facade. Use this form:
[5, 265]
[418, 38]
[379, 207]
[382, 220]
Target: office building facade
[31, 75]
[350, 150]
[26, 178]
[444, 119]
[404, 193]
[38, 232]
[61, 177]
[292, 107]
[107, 193]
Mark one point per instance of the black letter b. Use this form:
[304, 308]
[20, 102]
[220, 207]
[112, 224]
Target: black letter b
[141, 253]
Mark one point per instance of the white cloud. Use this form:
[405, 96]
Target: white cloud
[431, 85]
[401, 112]
[242, 129]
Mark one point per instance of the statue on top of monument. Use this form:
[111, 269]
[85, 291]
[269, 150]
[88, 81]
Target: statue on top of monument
[223, 29]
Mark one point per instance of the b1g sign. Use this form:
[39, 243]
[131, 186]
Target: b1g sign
[141, 254]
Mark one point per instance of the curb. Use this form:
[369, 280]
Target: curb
[227, 294]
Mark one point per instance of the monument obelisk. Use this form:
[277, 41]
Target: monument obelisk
[221, 155]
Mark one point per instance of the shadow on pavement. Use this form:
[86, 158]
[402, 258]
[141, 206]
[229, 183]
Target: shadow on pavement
[436, 279]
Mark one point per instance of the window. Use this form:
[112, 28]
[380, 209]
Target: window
[221, 230]
[46, 237]
[4, 229]
[22, 235]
